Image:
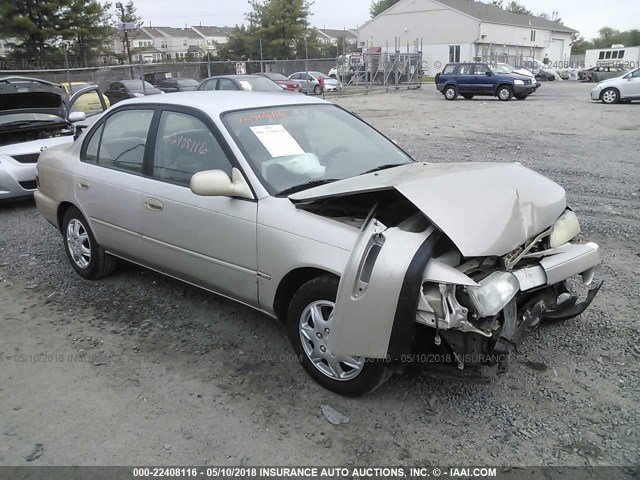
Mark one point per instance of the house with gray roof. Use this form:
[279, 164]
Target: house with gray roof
[466, 30]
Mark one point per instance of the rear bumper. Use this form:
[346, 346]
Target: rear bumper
[16, 179]
[47, 207]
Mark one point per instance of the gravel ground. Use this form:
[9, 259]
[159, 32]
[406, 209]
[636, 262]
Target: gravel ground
[138, 368]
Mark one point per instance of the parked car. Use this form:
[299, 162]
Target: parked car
[471, 79]
[310, 82]
[90, 104]
[34, 116]
[299, 209]
[281, 80]
[546, 75]
[169, 85]
[125, 89]
[249, 83]
[620, 89]
[506, 68]
[154, 78]
[598, 74]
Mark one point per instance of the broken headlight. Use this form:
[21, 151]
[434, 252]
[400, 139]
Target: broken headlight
[565, 229]
[493, 293]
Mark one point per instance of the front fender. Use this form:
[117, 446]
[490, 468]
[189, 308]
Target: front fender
[379, 290]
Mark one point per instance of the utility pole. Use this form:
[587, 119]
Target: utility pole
[126, 36]
[306, 56]
[261, 59]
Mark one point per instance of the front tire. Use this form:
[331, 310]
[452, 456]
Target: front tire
[84, 253]
[505, 93]
[450, 92]
[521, 97]
[316, 89]
[610, 96]
[309, 323]
[468, 97]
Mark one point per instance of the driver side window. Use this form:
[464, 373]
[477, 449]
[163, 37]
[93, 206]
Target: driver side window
[184, 146]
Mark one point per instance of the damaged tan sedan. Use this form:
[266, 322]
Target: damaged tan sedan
[299, 209]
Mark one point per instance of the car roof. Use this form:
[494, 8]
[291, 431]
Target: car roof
[232, 76]
[215, 102]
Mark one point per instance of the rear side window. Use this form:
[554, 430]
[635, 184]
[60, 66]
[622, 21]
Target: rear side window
[119, 142]
[448, 70]
[226, 84]
[210, 85]
[465, 70]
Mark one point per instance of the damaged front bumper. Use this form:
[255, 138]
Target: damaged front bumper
[394, 286]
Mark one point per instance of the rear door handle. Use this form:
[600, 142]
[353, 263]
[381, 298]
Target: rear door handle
[83, 184]
[153, 204]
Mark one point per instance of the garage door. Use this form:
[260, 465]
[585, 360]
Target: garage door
[557, 49]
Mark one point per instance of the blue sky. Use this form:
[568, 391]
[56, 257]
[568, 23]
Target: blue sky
[587, 16]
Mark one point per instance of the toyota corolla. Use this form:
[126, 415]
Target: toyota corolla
[300, 209]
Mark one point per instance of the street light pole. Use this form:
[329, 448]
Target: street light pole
[261, 59]
[126, 38]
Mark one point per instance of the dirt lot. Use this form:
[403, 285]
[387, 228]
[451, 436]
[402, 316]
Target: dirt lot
[140, 369]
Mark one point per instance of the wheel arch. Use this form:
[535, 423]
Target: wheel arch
[503, 84]
[290, 284]
[62, 209]
[611, 88]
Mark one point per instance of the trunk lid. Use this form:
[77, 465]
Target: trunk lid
[484, 208]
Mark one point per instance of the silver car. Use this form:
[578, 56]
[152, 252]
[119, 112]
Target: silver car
[34, 115]
[310, 82]
[299, 209]
[620, 89]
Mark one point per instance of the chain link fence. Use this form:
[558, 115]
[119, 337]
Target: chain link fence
[374, 71]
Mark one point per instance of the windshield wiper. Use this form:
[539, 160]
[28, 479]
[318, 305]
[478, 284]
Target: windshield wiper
[304, 186]
[383, 167]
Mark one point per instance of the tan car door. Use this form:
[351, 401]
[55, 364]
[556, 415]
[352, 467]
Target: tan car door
[207, 241]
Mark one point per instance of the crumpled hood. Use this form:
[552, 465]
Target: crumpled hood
[484, 208]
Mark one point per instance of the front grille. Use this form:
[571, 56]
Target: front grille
[29, 185]
[26, 158]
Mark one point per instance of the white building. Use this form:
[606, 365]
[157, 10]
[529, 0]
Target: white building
[627, 57]
[465, 30]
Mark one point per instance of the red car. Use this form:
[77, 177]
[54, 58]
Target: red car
[281, 80]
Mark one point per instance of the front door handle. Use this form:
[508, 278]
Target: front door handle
[83, 184]
[153, 204]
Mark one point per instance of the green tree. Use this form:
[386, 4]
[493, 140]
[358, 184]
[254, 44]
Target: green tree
[515, 7]
[379, 6]
[313, 47]
[280, 24]
[87, 23]
[33, 23]
[238, 47]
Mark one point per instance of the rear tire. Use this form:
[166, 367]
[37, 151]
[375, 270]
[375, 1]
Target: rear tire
[450, 92]
[505, 93]
[309, 311]
[84, 253]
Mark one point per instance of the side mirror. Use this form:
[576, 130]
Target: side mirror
[488, 74]
[216, 183]
[77, 117]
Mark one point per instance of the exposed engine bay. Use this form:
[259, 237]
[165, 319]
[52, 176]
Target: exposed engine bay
[35, 131]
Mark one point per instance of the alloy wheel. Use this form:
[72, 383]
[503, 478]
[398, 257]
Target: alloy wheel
[314, 328]
[78, 243]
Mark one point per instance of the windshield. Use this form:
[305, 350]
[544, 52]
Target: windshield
[188, 82]
[502, 68]
[76, 87]
[276, 76]
[290, 146]
[258, 84]
[136, 86]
